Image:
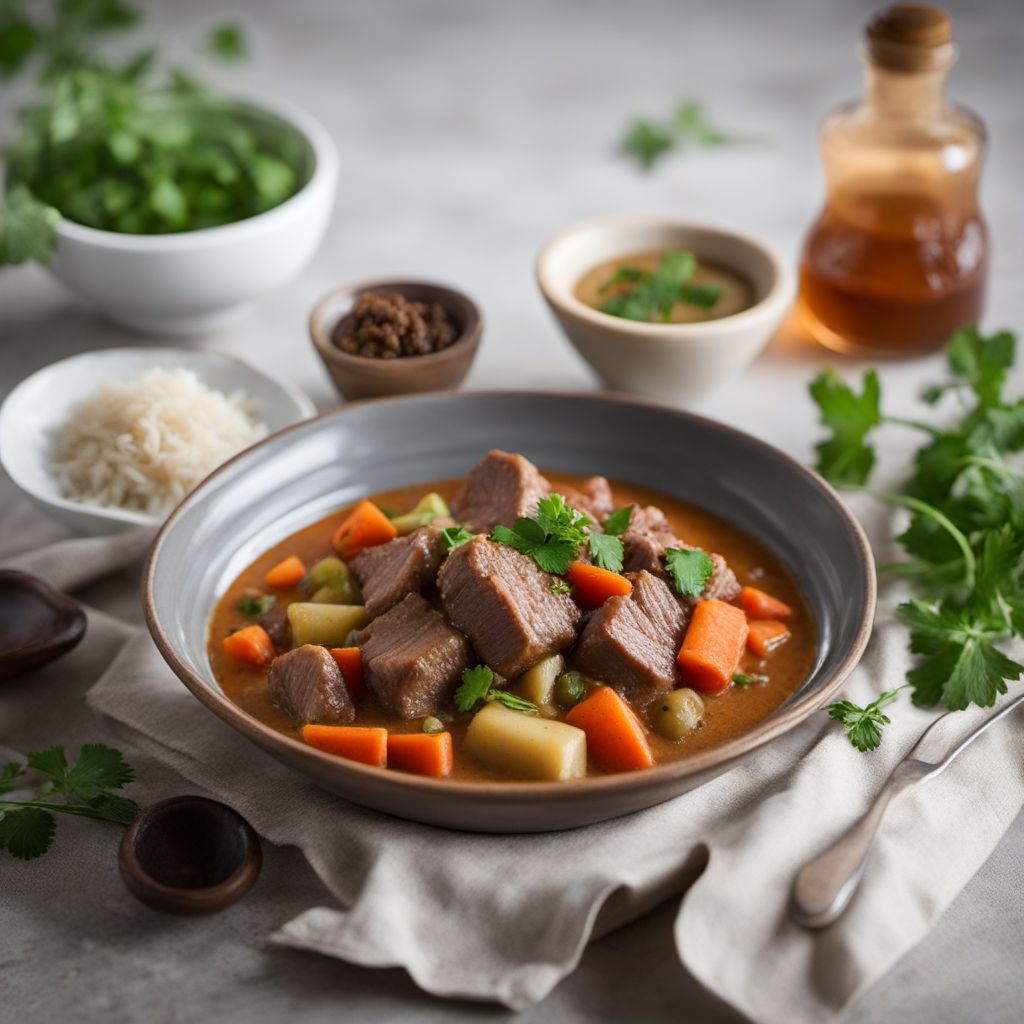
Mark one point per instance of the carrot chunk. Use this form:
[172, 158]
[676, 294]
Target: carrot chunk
[765, 635]
[759, 605]
[365, 527]
[350, 661]
[286, 574]
[251, 645]
[425, 753]
[592, 585]
[713, 645]
[615, 738]
[355, 742]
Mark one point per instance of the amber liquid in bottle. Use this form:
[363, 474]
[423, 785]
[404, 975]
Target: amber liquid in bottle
[897, 260]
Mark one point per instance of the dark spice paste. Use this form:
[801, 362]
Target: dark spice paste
[392, 327]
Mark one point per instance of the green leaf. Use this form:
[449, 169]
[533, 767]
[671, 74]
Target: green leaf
[511, 700]
[476, 682]
[606, 551]
[455, 536]
[982, 361]
[114, 807]
[9, 774]
[98, 768]
[228, 43]
[18, 41]
[53, 763]
[690, 568]
[169, 203]
[647, 142]
[552, 539]
[618, 522]
[864, 725]
[739, 679]
[27, 228]
[651, 295]
[26, 833]
[846, 459]
[703, 295]
[560, 587]
[254, 606]
[555, 556]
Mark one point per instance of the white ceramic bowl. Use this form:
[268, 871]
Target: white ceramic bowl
[679, 363]
[42, 402]
[187, 282]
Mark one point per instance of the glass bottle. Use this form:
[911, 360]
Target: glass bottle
[897, 260]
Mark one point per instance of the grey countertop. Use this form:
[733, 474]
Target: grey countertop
[468, 133]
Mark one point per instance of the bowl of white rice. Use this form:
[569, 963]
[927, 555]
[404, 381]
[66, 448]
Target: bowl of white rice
[110, 440]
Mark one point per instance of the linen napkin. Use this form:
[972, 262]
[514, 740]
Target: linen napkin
[505, 918]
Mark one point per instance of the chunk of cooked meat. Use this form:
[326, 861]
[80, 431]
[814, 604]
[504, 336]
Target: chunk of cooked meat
[412, 659]
[593, 498]
[405, 565]
[279, 629]
[503, 601]
[644, 544]
[499, 489]
[631, 641]
[308, 686]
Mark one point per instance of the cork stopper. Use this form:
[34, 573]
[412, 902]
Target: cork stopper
[910, 37]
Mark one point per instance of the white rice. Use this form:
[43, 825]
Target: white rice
[145, 442]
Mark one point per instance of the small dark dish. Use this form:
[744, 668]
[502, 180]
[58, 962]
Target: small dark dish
[37, 623]
[189, 855]
[358, 377]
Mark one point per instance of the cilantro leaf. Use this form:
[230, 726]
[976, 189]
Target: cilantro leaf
[26, 833]
[228, 43]
[618, 522]
[27, 228]
[511, 700]
[555, 556]
[648, 141]
[606, 551]
[553, 538]
[98, 769]
[690, 568]
[650, 295]
[454, 536]
[703, 295]
[476, 682]
[982, 361]
[254, 606]
[846, 459]
[9, 775]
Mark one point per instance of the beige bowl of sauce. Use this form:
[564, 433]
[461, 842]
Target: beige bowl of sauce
[697, 349]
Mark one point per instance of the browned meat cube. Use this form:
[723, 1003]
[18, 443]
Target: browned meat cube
[412, 659]
[593, 498]
[308, 686]
[498, 490]
[405, 565]
[631, 641]
[275, 622]
[503, 601]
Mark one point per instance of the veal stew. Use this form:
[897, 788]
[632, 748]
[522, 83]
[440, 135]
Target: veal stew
[511, 626]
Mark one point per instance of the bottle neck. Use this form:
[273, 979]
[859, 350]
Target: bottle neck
[905, 95]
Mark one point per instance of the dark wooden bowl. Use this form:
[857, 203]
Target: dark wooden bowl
[37, 623]
[358, 377]
[189, 855]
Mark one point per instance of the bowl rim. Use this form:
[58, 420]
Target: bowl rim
[780, 293]
[298, 398]
[320, 332]
[764, 731]
[325, 169]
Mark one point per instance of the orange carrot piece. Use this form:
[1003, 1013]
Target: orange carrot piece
[759, 605]
[592, 585]
[615, 738]
[286, 574]
[251, 645]
[425, 753]
[365, 527]
[355, 742]
[350, 661]
[713, 645]
[765, 635]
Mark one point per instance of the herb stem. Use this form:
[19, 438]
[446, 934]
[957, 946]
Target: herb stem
[901, 421]
[45, 805]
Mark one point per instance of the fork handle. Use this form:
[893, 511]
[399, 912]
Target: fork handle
[825, 885]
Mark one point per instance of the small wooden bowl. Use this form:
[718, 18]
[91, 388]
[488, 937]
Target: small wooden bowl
[189, 855]
[37, 623]
[358, 377]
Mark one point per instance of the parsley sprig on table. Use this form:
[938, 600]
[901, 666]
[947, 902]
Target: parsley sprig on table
[864, 725]
[648, 295]
[689, 127]
[965, 536]
[478, 687]
[86, 789]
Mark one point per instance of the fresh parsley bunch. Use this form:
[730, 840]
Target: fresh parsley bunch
[88, 789]
[965, 537]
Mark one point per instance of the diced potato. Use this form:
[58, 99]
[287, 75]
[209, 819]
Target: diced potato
[538, 683]
[678, 713]
[325, 624]
[427, 509]
[526, 745]
[331, 595]
[330, 575]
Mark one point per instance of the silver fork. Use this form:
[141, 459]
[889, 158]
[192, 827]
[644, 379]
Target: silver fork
[825, 885]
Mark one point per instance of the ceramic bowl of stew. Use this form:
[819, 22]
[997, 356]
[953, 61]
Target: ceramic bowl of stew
[731, 492]
[700, 349]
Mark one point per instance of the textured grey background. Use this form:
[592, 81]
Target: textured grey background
[468, 133]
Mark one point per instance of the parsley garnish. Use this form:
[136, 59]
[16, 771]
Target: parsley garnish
[606, 551]
[689, 127]
[552, 538]
[256, 605]
[863, 725]
[86, 788]
[965, 536]
[690, 568]
[650, 295]
[454, 536]
[618, 522]
[477, 686]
